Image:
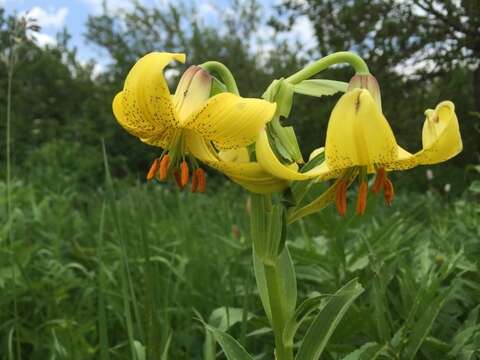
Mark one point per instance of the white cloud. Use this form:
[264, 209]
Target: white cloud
[42, 39]
[207, 9]
[54, 19]
[304, 31]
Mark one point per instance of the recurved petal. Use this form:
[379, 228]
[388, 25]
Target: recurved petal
[161, 137]
[250, 175]
[441, 139]
[237, 155]
[268, 160]
[192, 92]
[146, 101]
[235, 164]
[122, 119]
[230, 121]
[358, 134]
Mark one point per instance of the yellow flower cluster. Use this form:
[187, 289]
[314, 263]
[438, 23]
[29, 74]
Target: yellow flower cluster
[229, 133]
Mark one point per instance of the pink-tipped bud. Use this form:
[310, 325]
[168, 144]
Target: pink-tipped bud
[368, 82]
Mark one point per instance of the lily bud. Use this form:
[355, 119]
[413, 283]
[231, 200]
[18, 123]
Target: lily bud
[368, 82]
[193, 90]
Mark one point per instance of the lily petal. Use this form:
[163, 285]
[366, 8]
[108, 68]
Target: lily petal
[192, 92]
[251, 176]
[358, 134]
[237, 155]
[267, 158]
[144, 107]
[441, 139]
[231, 121]
[236, 165]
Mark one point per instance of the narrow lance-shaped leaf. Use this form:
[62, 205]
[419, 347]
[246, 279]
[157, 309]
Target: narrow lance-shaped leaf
[231, 347]
[327, 320]
[320, 87]
[300, 315]
[286, 279]
[423, 326]
[369, 351]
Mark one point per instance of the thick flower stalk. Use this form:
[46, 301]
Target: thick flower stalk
[192, 125]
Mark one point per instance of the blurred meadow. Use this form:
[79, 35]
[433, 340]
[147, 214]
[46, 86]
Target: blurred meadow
[96, 263]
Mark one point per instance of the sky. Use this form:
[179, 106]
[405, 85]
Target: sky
[54, 15]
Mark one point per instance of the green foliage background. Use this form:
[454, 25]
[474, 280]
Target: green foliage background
[101, 272]
[58, 98]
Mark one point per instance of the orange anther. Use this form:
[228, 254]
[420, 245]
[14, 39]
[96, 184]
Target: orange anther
[184, 173]
[362, 198]
[153, 169]
[178, 180]
[379, 180]
[194, 182]
[163, 173]
[201, 180]
[341, 197]
[388, 191]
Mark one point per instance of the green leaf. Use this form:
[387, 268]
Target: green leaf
[423, 326]
[369, 351]
[259, 270]
[231, 347]
[320, 87]
[284, 98]
[300, 315]
[475, 187]
[285, 141]
[326, 321]
[225, 317]
[139, 350]
[280, 92]
[217, 87]
[268, 228]
[315, 206]
[286, 279]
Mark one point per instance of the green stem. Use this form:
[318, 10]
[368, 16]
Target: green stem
[270, 277]
[224, 73]
[339, 57]
[278, 314]
[8, 189]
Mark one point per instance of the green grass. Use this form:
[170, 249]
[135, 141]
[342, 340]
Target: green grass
[125, 270]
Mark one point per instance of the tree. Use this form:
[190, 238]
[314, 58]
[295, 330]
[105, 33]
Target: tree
[422, 51]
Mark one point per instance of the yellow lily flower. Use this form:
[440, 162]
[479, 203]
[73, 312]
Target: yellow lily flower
[360, 140]
[192, 125]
